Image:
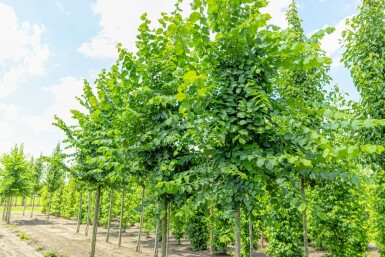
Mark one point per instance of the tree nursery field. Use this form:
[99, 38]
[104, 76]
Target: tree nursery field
[217, 137]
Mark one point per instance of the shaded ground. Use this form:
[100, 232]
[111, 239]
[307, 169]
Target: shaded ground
[59, 235]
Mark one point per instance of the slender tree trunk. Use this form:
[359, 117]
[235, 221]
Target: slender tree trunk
[88, 212]
[15, 201]
[95, 223]
[79, 212]
[24, 204]
[168, 226]
[237, 221]
[251, 234]
[49, 206]
[211, 227]
[121, 215]
[305, 238]
[9, 210]
[5, 208]
[109, 215]
[164, 228]
[33, 205]
[262, 235]
[156, 237]
[38, 203]
[141, 223]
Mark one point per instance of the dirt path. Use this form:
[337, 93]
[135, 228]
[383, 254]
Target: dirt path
[11, 246]
[59, 235]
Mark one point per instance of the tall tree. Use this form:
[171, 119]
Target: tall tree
[365, 58]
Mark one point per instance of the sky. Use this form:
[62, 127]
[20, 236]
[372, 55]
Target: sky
[49, 47]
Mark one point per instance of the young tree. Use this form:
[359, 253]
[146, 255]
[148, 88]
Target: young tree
[15, 177]
[37, 180]
[54, 174]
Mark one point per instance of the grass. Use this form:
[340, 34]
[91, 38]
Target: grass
[52, 253]
[24, 236]
[39, 248]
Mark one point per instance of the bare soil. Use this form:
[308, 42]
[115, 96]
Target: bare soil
[60, 235]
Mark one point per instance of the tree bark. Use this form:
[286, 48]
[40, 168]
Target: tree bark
[262, 238]
[211, 227]
[164, 228]
[121, 215]
[156, 237]
[24, 204]
[95, 223]
[168, 226]
[251, 234]
[49, 206]
[79, 212]
[33, 205]
[305, 237]
[137, 249]
[88, 212]
[5, 208]
[8, 218]
[237, 221]
[109, 215]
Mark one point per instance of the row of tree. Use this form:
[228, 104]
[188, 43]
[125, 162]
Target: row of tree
[224, 119]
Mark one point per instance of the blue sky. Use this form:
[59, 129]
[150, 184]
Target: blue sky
[49, 47]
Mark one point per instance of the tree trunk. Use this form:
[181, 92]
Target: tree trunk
[237, 221]
[5, 208]
[49, 206]
[262, 238]
[24, 204]
[109, 215]
[141, 223]
[168, 227]
[88, 212]
[156, 237]
[33, 205]
[95, 223]
[79, 212]
[121, 215]
[8, 218]
[305, 238]
[164, 228]
[251, 234]
[211, 227]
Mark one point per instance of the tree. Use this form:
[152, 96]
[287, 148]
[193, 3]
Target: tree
[55, 174]
[14, 176]
[365, 57]
[37, 177]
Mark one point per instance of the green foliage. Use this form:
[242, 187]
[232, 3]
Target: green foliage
[15, 173]
[285, 232]
[178, 224]
[345, 230]
[197, 231]
[24, 236]
[223, 234]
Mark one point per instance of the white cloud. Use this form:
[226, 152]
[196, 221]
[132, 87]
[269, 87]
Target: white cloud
[277, 10]
[119, 22]
[22, 54]
[331, 43]
[9, 112]
[64, 95]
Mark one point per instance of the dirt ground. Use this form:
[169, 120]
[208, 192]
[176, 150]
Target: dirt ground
[59, 235]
